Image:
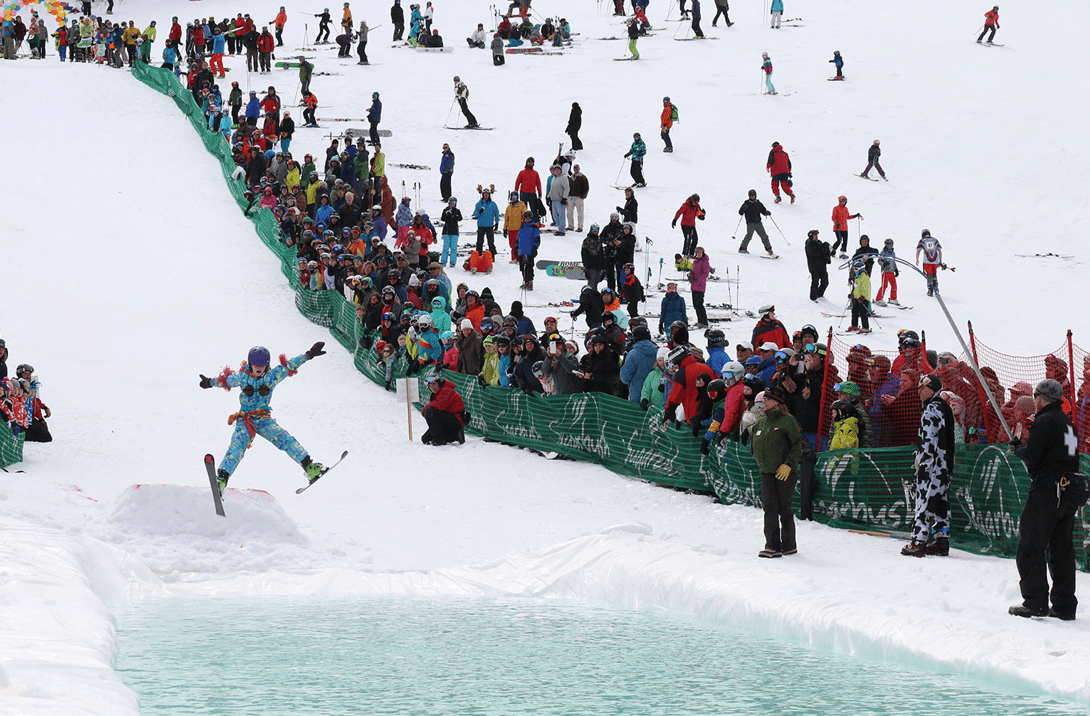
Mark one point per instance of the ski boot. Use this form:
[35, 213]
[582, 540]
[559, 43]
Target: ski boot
[778, 199]
[743, 251]
[940, 547]
[915, 548]
[880, 302]
[223, 476]
[853, 329]
[792, 198]
[313, 469]
[894, 302]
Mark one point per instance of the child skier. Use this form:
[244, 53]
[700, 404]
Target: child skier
[932, 259]
[257, 382]
[766, 67]
[860, 297]
[890, 273]
[873, 154]
[838, 61]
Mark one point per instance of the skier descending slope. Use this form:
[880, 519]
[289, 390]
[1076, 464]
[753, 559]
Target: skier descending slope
[254, 418]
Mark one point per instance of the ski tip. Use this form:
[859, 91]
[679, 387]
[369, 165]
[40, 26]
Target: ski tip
[344, 454]
[209, 460]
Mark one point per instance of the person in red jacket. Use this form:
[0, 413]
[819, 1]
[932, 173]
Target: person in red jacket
[769, 328]
[840, 225]
[689, 212]
[528, 185]
[991, 24]
[445, 413]
[265, 45]
[175, 32]
[666, 123]
[271, 104]
[779, 167]
[684, 389]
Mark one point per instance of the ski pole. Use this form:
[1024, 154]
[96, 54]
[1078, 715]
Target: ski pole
[778, 229]
[661, 261]
[730, 301]
[737, 226]
[978, 30]
[446, 122]
[618, 179]
[738, 291]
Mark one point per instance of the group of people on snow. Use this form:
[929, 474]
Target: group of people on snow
[20, 404]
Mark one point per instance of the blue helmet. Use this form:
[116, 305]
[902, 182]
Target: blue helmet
[258, 356]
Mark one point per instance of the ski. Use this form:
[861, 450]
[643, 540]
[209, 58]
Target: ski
[323, 472]
[1048, 255]
[766, 256]
[629, 186]
[624, 59]
[210, 465]
[848, 315]
[885, 304]
[866, 177]
[836, 79]
[691, 39]
[990, 44]
[413, 166]
[480, 129]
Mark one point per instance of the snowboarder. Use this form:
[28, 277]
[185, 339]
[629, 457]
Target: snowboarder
[766, 67]
[257, 382]
[637, 152]
[777, 14]
[778, 166]
[991, 24]
[461, 93]
[888, 265]
[873, 154]
[666, 122]
[932, 259]
[838, 61]
[840, 225]
[753, 210]
[689, 212]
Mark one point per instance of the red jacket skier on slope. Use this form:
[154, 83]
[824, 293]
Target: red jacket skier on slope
[779, 166]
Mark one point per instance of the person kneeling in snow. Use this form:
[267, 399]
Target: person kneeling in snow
[445, 413]
[257, 382]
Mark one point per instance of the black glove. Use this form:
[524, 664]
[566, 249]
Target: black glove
[744, 438]
[206, 382]
[563, 201]
[390, 387]
[705, 448]
[481, 381]
[316, 350]
[365, 342]
[695, 425]
[673, 224]
[645, 403]
[1015, 443]
[701, 216]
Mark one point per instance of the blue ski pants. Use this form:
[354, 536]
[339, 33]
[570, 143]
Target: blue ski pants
[266, 428]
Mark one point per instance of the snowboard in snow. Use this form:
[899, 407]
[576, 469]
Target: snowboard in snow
[210, 465]
[566, 269]
[324, 471]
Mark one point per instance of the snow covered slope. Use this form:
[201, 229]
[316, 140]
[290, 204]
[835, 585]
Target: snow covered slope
[135, 273]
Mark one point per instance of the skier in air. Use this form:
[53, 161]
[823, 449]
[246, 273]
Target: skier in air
[257, 382]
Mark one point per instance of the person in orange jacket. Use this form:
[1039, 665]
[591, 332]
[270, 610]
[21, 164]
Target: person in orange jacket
[666, 122]
[840, 225]
[279, 22]
[991, 24]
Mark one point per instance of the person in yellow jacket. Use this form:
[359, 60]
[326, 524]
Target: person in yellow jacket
[292, 177]
[279, 22]
[149, 32]
[512, 222]
[860, 297]
[845, 426]
[312, 189]
[346, 20]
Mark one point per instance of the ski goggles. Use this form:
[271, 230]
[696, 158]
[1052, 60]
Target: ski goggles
[262, 390]
[814, 348]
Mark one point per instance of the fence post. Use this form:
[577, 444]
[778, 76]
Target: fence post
[1071, 382]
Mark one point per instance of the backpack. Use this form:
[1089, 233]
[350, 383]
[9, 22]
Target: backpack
[673, 113]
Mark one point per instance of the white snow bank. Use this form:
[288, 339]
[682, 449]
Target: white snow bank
[56, 638]
[174, 530]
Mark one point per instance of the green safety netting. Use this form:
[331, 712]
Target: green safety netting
[856, 489]
[11, 448]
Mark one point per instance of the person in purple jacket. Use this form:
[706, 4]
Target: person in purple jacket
[698, 277]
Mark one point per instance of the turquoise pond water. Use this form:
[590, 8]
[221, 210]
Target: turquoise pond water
[485, 657]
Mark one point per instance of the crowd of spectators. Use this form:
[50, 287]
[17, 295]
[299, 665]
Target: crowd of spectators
[22, 409]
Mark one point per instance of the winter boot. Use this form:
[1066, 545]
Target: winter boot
[940, 547]
[769, 554]
[915, 548]
[313, 469]
[1021, 610]
[223, 476]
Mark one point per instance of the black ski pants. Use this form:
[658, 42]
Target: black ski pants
[1044, 540]
[819, 281]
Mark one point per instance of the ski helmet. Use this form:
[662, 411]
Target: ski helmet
[733, 371]
[641, 333]
[716, 389]
[665, 100]
[752, 193]
[812, 234]
[775, 144]
[457, 78]
[876, 142]
[716, 338]
[842, 410]
[766, 309]
[374, 95]
[514, 196]
[842, 199]
[924, 233]
[452, 200]
[1050, 389]
[614, 217]
[889, 243]
[424, 321]
[696, 197]
[258, 356]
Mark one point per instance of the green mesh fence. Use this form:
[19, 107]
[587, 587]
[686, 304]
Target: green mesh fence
[11, 448]
[864, 490]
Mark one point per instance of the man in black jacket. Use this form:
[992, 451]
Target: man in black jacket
[1044, 533]
[818, 258]
[397, 17]
[753, 210]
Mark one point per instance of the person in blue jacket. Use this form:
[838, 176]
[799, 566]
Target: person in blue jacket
[254, 417]
[672, 308]
[429, 347]
[528, 242]
[374, 116]
[487, 215]
[838, 61]
[777, 14]
[170, 57]
[638, 362]
[766, 371]
[717, 353]
[253, 109]
[446, 172]
[637, 152]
